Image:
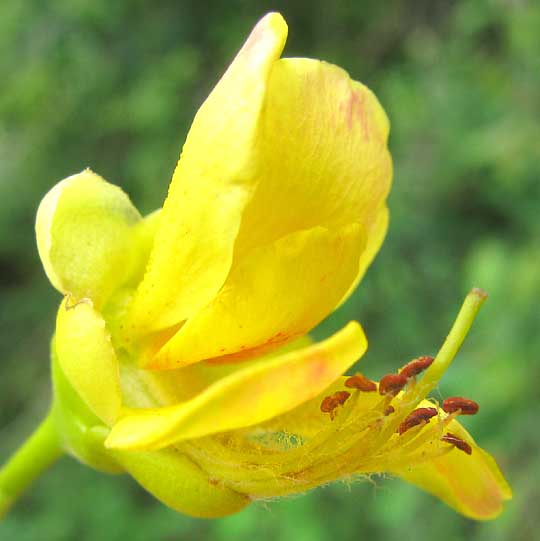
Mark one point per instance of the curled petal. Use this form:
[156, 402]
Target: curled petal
[246, 397]
[212, 183]
[87, 357]
[85, 236]
[278, 292]
[280, 146]
[472, 484]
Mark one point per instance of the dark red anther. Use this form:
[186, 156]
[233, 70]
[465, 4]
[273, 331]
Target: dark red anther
[330, 403]
[389, 410]
[360, 382]
[341, 397]
[392, 384]
[457, 442]
[416, 417]
[416, 366]
[463, 406]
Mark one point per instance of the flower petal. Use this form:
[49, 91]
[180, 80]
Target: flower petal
[246, 397]
[375, 237]
[179, 483]
[278, 292]
[471, 484]
[211, 185]
[279, 146]
[84, 230]
[145, 233]
[87, 358]
[157, 388]
[322, 158]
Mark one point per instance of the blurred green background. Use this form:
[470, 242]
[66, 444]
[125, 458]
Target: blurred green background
[114, 85]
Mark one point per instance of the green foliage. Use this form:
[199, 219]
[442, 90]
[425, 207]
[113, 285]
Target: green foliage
[114, 85]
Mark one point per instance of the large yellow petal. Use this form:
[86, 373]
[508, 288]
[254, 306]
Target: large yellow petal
[279, 146]
[85, 236]
[326, 167]
[211, 185]
[278, 292]
[472, 484]
[87, 358]
[322, 158]
[244, 398]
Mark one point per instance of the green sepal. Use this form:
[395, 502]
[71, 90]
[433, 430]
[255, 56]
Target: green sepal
[86, 237]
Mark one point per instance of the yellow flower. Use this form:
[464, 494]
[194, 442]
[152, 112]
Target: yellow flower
[181, 353]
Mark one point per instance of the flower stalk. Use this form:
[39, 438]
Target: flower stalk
[28, 462]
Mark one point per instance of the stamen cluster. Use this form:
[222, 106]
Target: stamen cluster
[391, 385]
[371, 427]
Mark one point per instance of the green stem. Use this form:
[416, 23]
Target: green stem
[39, 451]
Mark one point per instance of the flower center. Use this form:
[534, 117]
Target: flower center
[368, 428]
[395, 390]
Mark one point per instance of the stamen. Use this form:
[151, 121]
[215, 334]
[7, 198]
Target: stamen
[416, 366]
[330, 403]
[457, 442]
[463, 406]
[392, 384]
[416, 417]
[360, 382]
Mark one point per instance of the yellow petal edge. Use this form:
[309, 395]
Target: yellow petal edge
[278, 292]
[211, 185]
[246, 397]
[87, 357]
